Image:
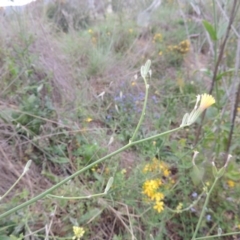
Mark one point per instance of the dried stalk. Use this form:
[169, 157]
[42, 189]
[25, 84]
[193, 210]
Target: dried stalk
[219, 59]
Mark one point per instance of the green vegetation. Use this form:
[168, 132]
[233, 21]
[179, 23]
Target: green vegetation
[113, 154]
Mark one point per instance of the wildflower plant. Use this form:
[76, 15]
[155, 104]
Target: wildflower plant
[155, 187]
[167, 197]
[173, 54]
[157, 37]
[203, 102]
[183, 47]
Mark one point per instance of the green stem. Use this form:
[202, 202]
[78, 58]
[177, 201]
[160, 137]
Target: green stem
[215, 28]
[77, 198]
[217, 236]
[143, 111]
[216, 82]
[216, 53]
[204, 209]
[156, 136]
[10, 189]
[42, 195]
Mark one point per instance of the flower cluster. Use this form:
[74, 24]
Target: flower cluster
[93, 36]
[154, 188]
[231, 183]
[183, 47]
[88, 120]
[78, 232]
[179, 207]
[157, 37]
[157, 165]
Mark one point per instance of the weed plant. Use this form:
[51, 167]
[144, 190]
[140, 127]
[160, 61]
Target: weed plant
[113, 154]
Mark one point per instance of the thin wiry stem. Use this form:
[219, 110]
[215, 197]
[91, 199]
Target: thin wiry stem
[143, 110]
[56, 186]
[237, 96]
[204, 209]
[219, 59]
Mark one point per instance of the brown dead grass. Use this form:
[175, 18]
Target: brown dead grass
[11, 169]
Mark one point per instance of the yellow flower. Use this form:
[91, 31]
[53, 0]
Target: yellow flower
[206, 101]
[162, 165]
[146, 168]
[207, 184]
[179, 207]
[150, 187]
[90, 31]
[157, 37]
[151, 167]
[157, 165]
[166, 173]
[164, 169]
[184, 46]
[230, 183]
[159, 206]
[88, 119]
[130, 30]
[78, 232]
[172, 181]
[123, 171]
[158, 196]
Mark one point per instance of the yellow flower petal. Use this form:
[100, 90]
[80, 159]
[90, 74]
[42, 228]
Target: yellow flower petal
[159, 206]
[206, 101]
[88, 120]
[78, 232]
[231, 183]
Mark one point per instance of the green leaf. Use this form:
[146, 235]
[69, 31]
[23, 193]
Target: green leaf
[233, 175]
[226, 73]
[109, 184]
[12, 237]
[214, 170]
[60, 160]
[32, 99]
[6, 115]
[205, 71]
[197, 175]
[210, 29]
[90, 215]
[232, 172]
[39, 88]
[4, 237]
[222, 29]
